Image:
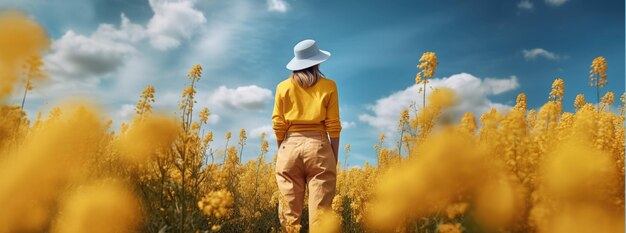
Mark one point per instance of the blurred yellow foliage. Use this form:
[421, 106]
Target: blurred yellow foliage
[22, 40]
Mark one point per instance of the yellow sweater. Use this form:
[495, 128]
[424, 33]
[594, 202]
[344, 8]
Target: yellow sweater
[315, 108]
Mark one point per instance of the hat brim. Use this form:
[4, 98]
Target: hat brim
[300, 64]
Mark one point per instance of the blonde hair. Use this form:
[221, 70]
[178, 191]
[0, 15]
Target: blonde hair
[307, 77]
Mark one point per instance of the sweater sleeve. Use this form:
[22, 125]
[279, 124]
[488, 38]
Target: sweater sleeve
[333, 123]
[278, 117]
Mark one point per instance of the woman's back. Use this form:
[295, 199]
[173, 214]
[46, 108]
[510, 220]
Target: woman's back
[314, 108]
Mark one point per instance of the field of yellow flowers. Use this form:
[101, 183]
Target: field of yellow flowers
[524, 170]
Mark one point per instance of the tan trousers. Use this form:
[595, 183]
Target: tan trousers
[305, 160]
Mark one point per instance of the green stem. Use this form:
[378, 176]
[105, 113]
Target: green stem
[25, 91]
[597, 94]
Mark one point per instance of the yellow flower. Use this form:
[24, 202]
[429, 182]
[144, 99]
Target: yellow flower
[195, 126]
[195, 72]
[242, 137]
[579, 102]
[101, 207]
[598, 72]
[34, 66]
[208, 137]
[146, 97]
[608, 98]
[449, 228]
[264, 146]
[242, 134]
[428, 64]
[456, 209]
[217, 204]
[418, 78]
[204, 115]
[558, 89]
[468, 123]
[404, 116]
[188, 92]
[337, 204]
[520, 102]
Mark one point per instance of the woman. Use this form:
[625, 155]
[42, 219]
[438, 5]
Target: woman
[306, 114]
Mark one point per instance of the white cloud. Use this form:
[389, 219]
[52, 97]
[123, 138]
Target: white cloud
[472, 93]
[128, 31]
[126, 112]
[347, 124]
[267, 129]
[277, 5]
[214, 119]
[52, 89]
[108, 48]
[172, 22]
[244, 97]
[539, 52]
[494, 86]
[78, 56]
[556, 2]
[525, 4]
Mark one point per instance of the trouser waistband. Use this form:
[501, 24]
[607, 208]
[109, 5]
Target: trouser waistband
[306, 133]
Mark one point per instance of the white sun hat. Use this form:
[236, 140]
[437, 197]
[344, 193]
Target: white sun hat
[306, 54]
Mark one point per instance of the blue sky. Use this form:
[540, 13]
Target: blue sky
[489, 51]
